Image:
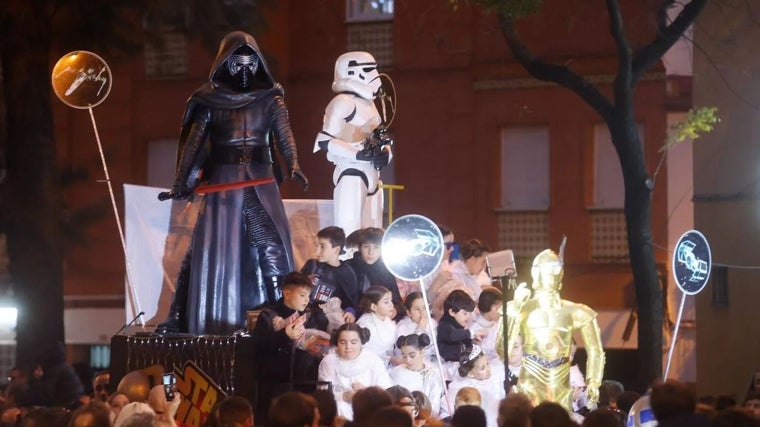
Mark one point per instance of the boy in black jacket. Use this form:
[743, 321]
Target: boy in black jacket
[282, 362]
[453, 335]
[331, 277]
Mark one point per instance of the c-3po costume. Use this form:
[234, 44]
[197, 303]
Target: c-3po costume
[546, 324]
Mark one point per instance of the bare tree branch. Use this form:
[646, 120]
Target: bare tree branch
[559, 74]
[665, 39]
[623, 79]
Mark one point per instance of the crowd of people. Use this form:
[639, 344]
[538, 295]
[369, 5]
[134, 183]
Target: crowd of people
[345, 346]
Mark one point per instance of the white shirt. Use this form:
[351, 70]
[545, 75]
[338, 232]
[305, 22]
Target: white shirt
[428, 381]
[382, 335]
[488, 345]
[367, 369]
[491, 392]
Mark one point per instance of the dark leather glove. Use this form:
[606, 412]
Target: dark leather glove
[298, 176]
[177, 193]
[367, 153]
[381, 159]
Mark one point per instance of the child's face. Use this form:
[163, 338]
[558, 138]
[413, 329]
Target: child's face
[417, 311]
[462, 317]
[384, 308]
[349, 345]
[481, 370]
[492, 315]
[326, 252]
[413, 357]
[296, 298]
[516, 353]
[370, 252]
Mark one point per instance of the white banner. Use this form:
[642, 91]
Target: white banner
[158, 235]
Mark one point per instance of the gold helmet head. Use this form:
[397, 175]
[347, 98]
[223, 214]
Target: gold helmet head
[547, 271]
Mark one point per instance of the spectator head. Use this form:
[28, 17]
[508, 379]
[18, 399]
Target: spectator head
[403, 398]
[233, 411]
[458, 306]
[474, 364]
[330, 243]
[369, 241]
[752, 404]
[412, 348]
[550, 414]
[734, 417]
[424, 407]
[116, 402]
[296, 290]
[467, 396]
[489, 303]
[626, 400]
[724, 401]
[670, 399]
[328, 408]
[131, 409]
[474, 254]
[613, 390]
[514, 411]
[367, 401]
[293, 409]
[468, 416]
[100, 384]
[604, 417]
[139, 420]
[94, 414]
[349, 339]
[391, 416]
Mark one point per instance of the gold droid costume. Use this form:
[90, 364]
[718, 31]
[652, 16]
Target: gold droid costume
[546, 324]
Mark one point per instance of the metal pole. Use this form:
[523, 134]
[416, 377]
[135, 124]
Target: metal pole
[675, 335]
[134, 301]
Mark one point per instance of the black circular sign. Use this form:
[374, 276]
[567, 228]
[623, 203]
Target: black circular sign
[81, 79]
[412, 247]
[692, 262]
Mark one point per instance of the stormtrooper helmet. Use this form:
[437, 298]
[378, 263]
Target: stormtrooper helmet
[357, 72]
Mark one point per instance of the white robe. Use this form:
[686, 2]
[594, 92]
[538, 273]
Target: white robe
[491, 392]
[367, 369]
[488, 345]
[382, 335]
[428, 381]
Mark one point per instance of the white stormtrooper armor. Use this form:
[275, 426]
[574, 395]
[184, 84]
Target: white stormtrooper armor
[350, 118]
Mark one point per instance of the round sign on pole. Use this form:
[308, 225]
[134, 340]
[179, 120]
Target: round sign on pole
[692, 262]
[81, 79]
[412, 247]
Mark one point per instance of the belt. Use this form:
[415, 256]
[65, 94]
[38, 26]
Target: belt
[241, 154]
[546, 363]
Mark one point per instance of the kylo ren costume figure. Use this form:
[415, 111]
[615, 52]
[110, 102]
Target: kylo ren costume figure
[241, 244]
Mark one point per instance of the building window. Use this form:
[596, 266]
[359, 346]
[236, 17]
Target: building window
[100, 356]
[525, 168]
[167, 59]
[370, 29]
[369, 10]
[609, 191]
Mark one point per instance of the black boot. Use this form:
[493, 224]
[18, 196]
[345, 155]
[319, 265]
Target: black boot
[173, 322]
[273, 287]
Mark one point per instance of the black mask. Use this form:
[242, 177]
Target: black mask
[242, 66]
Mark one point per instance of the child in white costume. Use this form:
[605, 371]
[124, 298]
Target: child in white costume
[349, 120]
[377, 306]
[416, 322]
[487, 318]
[350, 368]
[416, 374]
[475, 371]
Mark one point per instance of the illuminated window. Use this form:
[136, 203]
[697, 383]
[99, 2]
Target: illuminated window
[369, 10]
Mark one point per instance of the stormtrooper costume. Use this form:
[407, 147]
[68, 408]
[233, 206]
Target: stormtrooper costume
[349, 120]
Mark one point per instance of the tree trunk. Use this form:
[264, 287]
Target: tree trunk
[638, 212]
[31, 194]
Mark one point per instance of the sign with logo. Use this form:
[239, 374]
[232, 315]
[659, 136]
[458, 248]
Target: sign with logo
[199, 394]
[691, 262]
